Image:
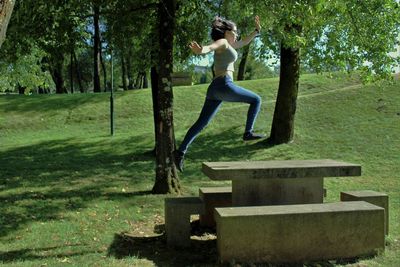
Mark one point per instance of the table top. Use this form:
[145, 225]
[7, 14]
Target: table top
[279, 169]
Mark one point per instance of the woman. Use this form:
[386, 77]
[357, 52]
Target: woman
[222, 88]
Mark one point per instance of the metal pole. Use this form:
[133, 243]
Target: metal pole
[112, 96]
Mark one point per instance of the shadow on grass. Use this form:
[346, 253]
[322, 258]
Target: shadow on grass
[40, 182]
[155, 249]
[78, 172]
[35, 254]
[200, 253]
[44, 103]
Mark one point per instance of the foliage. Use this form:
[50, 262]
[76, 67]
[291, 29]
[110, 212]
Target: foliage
[26, 72]
[344, 35]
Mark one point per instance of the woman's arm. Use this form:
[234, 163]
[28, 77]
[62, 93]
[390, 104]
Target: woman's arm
[198, 49]
[245, 41]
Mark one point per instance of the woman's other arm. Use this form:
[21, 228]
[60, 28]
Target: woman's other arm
[198, 49]
[245, 41]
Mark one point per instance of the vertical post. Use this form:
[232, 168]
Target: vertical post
[112, 96]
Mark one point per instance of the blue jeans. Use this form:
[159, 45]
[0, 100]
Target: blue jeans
[222, 89]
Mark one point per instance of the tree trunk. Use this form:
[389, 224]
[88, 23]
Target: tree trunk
[154, 96]
[56, 74]
[242, 64]
[167, 180]
[21, 89]
[103, 66]
[71, 71]
[56, 70]
[96, 48]
[129, 70]
[6, 8]
[78, 74]
[145, 81]
[123, 72]
[282, 130]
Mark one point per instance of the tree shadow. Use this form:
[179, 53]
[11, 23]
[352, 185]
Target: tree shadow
[201, 252]
[226, 144]
[155, 249]
[34, 254]
[44, 103]
[35, 178]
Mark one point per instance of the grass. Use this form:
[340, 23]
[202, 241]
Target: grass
[72, 195]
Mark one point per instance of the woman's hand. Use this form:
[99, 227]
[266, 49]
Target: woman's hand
[257, 21]
[196, 48]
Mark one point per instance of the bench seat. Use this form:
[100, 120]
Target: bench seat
[299, 233]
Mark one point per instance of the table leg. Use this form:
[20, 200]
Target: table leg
[257, 192]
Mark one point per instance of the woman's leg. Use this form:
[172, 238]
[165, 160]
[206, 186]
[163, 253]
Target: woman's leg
[209, 110]
[239, 94]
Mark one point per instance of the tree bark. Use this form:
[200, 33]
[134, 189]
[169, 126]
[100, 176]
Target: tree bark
[56, 74]
[129, 69]
[103, 66]
[6, 8]
[96, 48]
[71, 70]
[167, 180]
[242, 64]
[154, 96]
[56, 63]
[123, 72]
[282, 129]
[78, 74]
[145, 81]
[21, 89]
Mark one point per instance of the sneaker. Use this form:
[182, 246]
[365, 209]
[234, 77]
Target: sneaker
[252, 136]
[179, 157]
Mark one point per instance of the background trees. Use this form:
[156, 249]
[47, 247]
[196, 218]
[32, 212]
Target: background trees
[340, 35]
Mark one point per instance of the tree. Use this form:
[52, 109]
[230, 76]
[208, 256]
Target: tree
[96, 47]
[344, 34]
[167, 180]
[6, 8]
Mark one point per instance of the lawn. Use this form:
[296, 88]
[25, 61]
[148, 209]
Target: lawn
[72, 195]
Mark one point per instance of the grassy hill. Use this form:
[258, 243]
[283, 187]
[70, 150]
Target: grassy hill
[68, 189]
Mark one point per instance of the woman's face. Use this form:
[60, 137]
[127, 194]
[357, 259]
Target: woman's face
[231, 36]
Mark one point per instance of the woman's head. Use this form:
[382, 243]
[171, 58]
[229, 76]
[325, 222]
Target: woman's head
[223, 28]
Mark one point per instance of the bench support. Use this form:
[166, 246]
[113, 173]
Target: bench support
[283, 191]
[177, 219]
[373, 197]
[214, 197]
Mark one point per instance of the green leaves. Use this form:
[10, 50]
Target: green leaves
[335, 34]
[25, 73]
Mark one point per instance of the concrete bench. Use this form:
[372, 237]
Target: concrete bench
[299, 233]
[181, 78]
[373, 197]
[177, 219]
[213, 197]
[256, 183]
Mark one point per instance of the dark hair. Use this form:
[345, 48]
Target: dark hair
[219, 27]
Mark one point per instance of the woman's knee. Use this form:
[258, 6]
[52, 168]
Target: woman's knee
[257, 100]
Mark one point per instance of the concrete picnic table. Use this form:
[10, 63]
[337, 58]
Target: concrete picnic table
[278, 182]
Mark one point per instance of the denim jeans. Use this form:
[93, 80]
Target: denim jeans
[222, 89]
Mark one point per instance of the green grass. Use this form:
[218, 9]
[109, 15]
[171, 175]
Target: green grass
[68, 190]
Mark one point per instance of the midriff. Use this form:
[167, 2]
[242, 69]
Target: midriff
[223, 73]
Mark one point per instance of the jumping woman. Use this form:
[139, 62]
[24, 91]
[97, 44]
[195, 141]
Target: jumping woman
[224, 34]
